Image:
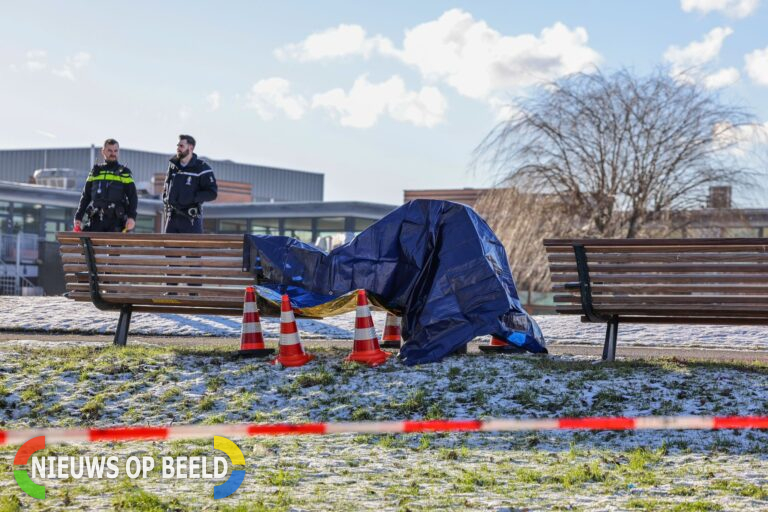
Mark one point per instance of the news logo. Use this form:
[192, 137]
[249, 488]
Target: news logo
[179, 468]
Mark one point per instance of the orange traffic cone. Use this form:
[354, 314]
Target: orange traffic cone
[251, 338]
[391, 337]
[291, 351]
[499, 345]
[366, 346]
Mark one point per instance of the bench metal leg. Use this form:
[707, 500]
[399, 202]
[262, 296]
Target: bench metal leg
[611, 333]
[121, 333]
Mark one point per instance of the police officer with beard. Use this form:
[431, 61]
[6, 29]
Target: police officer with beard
[109, 200]
[189, 183]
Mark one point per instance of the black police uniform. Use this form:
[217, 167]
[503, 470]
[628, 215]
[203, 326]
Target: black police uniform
[186, 189]
[109, 198]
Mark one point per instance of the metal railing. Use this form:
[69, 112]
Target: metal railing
[15, 251]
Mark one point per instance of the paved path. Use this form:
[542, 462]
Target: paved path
[582, 350]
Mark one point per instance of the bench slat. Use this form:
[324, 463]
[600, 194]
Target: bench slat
[667, 288]
[745, 257]
[654, 242]
[689, 310]
[210, 244]
[154, 251]
[177, 270]
[632, 268]
[103, 261]
[203, 291]
[76, 235]
[655, 249]
[704, 320]
[131, 298]
[665, 300]
[162, 279]
[665, 278]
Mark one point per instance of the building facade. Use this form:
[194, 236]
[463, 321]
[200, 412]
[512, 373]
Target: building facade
[268, 183]
[252, 199]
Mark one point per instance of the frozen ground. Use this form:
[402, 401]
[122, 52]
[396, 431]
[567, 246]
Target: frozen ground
[70, 383]
[73, 384]
[57, 314]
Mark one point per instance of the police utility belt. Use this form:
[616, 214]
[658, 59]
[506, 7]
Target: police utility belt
[191, 213]
[110, 210]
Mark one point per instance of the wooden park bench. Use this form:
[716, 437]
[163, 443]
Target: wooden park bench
[157, 273]
[721, 281]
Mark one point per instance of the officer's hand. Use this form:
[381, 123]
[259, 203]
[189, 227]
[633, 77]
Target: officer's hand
[130, 224]
[78, 226]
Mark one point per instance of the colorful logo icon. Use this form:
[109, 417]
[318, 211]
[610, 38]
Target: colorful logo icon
[22, 477]
[235, 480]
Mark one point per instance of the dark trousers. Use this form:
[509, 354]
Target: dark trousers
[178, 223]
[108, 223]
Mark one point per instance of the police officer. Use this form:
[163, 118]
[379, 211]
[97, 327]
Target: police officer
[109, 199]
[189, 183]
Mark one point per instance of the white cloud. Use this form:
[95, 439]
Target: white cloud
[685, 60]
[721, 78]
[79, 60]
[732, 8]
[37, 60]
[340, 41]
[272, 96]
[214, 101]
[47, 135]
[504, 110]
[64, 72]
[71, 65]
[741, 140]
[463, 52]
[365, 102]
[756, 64]
[477, 60]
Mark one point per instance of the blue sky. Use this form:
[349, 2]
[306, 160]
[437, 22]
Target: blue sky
[379, 97]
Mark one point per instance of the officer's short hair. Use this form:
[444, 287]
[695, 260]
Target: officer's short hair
[111, 142]
[189, 139]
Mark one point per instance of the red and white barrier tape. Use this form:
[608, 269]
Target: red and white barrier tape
[122, 434]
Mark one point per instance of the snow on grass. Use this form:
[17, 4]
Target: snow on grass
[97, 384]
[57, 314]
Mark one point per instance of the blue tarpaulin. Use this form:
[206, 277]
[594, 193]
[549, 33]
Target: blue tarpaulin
[435, 263]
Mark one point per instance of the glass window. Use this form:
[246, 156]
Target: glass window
[6, 221]
[300, 229]
[27, 218]
[233, 225]
[329, 226]
[52, 227]
[57, 213]
[361, 224]
[210, 225]
[145, 224]
[265, 226]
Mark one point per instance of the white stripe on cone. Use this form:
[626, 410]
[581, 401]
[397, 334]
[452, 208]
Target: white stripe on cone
[366, 333]
[251, 328]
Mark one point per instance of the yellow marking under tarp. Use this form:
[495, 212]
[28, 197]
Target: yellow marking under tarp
[166, 301]
[338, 306]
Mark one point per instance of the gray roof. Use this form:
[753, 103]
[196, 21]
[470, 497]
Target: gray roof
[268, 182]
[22, 192]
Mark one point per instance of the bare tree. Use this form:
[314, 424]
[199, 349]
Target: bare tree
[619, 150]
[522, 221]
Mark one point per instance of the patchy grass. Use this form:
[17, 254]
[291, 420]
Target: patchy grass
[645, 470]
